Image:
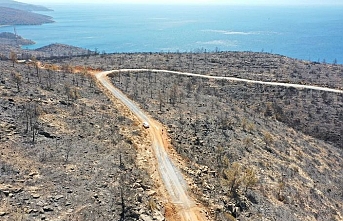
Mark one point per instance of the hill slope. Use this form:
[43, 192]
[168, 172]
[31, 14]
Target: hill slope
[11, 16]
[247, 151]
[67, 152]
[22, 6]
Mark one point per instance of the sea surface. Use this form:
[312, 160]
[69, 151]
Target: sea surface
[310, 33]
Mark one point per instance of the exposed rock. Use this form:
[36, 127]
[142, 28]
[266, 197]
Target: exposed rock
[48, 209]
[35, 196]
[145, 217]
[158, 216]
[151, 192]
[46, 134]
[136, 185]
[58, 197]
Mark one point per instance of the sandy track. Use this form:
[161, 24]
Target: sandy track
[171, 176]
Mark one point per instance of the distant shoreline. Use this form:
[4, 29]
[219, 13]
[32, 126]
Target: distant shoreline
[178, 32]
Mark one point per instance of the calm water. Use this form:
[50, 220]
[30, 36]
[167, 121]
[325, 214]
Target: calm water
[310, 33]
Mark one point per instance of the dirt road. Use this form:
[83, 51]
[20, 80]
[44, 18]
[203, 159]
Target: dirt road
[171, 176]
[299, 86]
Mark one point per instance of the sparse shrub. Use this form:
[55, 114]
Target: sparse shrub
[268, 138]
[281, 188]
[238, 179]
[248, 141]
[269, 110]
[250, 178]
[232, 178]
[250, 127]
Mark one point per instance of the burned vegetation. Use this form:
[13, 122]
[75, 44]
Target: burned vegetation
[66, 151]
[251, 151]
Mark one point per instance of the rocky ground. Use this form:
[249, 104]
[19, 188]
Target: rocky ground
[253, 152]
[67, 152]
[261, 66]
[230, 135]
[249, 152]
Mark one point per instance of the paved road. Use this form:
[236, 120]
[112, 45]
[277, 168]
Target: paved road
[172, 177]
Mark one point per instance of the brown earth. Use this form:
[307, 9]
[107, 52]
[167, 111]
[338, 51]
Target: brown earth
[65, 155]
[249, 152]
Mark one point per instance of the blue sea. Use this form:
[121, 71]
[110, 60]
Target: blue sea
[310, 33]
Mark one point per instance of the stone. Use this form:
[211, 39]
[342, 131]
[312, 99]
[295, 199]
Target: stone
[48, 209]
[136, 185]
[2, 213]
[40, 203]
[150, 192]
[35, 196]
[140, 189]
[145, 217]
[158, 216]
[6, 192]
[28, 210]
[58, 197]
[33, 174]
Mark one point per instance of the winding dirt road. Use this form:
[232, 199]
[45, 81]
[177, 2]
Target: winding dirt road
[298, 86]
[171, 176]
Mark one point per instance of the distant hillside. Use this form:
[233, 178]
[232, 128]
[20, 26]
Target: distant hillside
[11, 16]
[22, 6]
[12, 39]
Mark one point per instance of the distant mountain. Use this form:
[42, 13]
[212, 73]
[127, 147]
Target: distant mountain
[11, 16]
[22, 6]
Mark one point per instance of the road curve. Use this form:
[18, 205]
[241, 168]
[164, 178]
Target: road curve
[171, 176]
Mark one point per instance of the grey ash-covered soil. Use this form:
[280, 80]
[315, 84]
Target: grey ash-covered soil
[67, 152]
[215, 124]
[315, 113]
[252, 152]
[291, 139]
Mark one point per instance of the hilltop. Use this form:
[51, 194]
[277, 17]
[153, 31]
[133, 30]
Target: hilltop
[248, 151]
